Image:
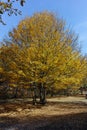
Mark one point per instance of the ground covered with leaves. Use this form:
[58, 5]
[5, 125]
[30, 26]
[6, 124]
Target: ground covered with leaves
[57, 114]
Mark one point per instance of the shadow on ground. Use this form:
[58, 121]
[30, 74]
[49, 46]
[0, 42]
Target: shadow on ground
[67, 122]
[64, 122]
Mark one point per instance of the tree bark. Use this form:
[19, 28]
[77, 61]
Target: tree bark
[15, 93]
[42, 94]
[34, 95]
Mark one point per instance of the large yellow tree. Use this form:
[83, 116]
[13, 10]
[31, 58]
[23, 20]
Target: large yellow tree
[45, 55]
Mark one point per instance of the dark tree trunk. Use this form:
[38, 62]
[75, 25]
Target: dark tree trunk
[42, 94]
[15, 93]
[22, 92]
[34, 95]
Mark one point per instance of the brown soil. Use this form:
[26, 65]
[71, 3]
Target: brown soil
[55, 115]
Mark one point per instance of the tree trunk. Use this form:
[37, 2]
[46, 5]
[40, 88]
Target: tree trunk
[22, 92]
[15, 93]
[34, 95]
[42, 94]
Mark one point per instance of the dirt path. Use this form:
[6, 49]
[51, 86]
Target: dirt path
[59, 114]
[69, 99]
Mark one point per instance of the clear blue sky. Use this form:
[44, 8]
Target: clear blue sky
[73, 11]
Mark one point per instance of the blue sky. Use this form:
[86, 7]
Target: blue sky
[73, 11]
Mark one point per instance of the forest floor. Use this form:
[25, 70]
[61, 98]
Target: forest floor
[61, 113]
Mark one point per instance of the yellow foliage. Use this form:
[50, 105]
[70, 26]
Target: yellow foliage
[42, 51]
